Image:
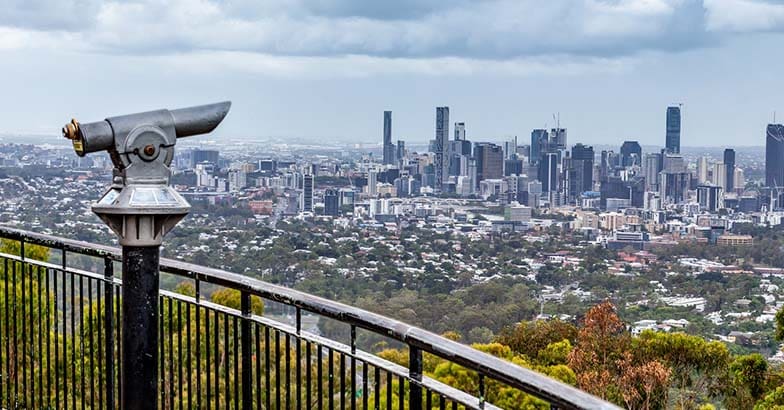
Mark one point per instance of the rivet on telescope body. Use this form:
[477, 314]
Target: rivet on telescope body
[149, 150]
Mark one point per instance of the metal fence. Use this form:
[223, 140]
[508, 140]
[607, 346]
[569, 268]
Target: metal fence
[59, 333]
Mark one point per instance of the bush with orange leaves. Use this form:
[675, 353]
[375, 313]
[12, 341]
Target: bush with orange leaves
[604, 363]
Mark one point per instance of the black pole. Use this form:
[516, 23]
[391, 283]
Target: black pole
[140, 327]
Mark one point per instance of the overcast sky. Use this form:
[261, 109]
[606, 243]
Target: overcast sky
[327, 69]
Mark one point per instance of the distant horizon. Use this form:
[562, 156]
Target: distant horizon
[319, 141]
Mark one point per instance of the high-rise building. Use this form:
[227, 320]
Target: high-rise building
[489, 161]
[548, 172]
[774, 156]
[401, 150]
[739, 180]
[709, 197]
[372, 186]
[331, 203]
[307, 193]
[702, 170]
[460, 132]
[729, 162]
[582, 168]
[720, 175]
[631, 154]
[673, 137]
[199, 156]
[558, 138]
[510, 148]
[539, 140]
[442, 147]
[651, 169]
[389, 148]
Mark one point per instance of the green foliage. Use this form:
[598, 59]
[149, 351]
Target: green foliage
[233, 299]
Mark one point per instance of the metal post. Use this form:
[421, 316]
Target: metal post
[140, 327]
[247, 386]
[108, 307]
[415, 376]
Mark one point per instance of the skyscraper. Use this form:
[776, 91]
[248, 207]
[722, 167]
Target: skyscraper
[729, 163]
[331, 203]
[389, 148]
[582, 165]
[702, 170]
[539, 139]
[442, 147]
[460, 133]
[489, 161]
[673, 138]
[631, 154]
[774, 156]
[307, 193]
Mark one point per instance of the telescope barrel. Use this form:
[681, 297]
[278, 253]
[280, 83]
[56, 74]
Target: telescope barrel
[198, 120]
[185, 122]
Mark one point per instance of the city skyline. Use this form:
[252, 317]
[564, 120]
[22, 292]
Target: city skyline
[608, 72]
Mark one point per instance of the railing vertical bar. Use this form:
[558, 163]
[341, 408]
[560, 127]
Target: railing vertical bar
[226, 357]
[258, 365]
[40, 366]
[267, 387]
[364, 385]
[188, 352]
[287, 351]
[207, 356]
[118, 338]
[320, 376]
[162, 373]
[196, 285]
[298, 359]
[237, 396]
[24, 366]
[389, 390]
[342, 369]
[353, 367]
[415, 378]
[92, 346]
[441, 402]
[277, 370]
[65, 334]
[48, 340]
[377, 388]
[247, 386]
[15, 398]
[216, 358]
[331, 369]
[454, 405]
[99, 334]
[308, 378]
[481, 391]
[179, 354]
[428, 399]
[401, 387]
[170, 359]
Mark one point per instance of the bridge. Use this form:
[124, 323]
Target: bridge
[60, 330]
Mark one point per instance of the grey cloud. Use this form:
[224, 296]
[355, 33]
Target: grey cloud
[483, 29]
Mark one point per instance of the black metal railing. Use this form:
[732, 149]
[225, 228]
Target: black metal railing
[60, 330]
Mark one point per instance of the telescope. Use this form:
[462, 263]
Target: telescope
[140, 206]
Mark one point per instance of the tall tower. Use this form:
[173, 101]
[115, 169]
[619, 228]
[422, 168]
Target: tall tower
[673, 138]
[389, 148]
[729, 163]
[774, 156]
[442, 147]
[460, 133]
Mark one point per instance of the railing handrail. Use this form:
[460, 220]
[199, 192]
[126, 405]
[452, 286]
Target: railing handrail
[559, 394]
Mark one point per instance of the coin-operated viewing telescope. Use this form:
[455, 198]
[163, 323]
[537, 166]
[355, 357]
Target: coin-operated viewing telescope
[141, 207]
